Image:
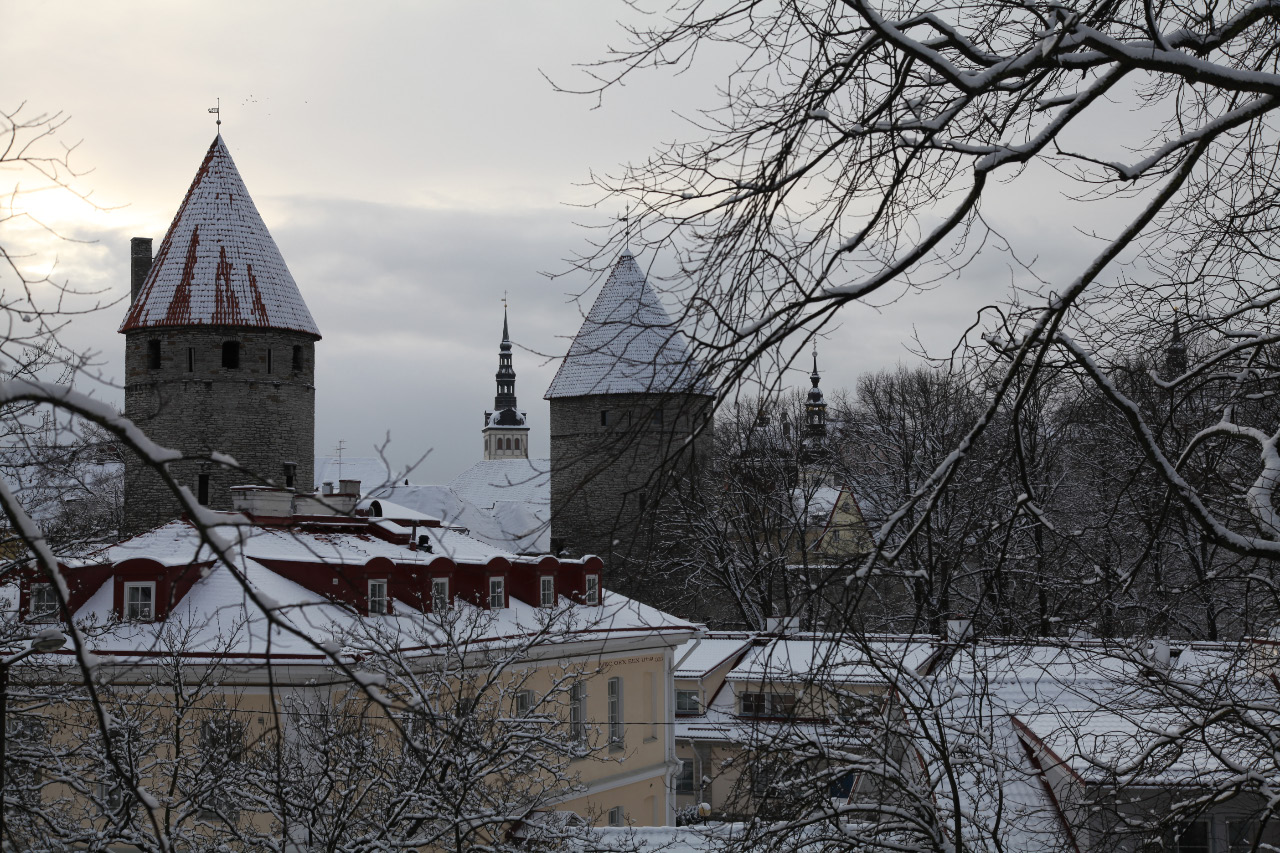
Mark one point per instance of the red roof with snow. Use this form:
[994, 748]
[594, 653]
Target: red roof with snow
[218, 265]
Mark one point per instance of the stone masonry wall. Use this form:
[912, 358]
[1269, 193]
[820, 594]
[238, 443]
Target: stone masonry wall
[610, 482]
[260, 417]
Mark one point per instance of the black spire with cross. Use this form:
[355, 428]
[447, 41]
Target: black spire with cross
[506, 376]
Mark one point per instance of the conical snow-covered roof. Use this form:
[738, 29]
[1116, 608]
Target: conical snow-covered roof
[628, 344]
[218, 265]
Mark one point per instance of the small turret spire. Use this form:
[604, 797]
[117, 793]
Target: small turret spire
[815, 407]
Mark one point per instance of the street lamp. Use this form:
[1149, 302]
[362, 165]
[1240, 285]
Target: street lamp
[48, 640]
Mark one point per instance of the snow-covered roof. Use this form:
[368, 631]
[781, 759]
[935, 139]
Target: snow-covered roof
[218, 265]
[224, 609]
[493, 480]
[627, 344]
[700, 656]
[518, 526]
[831, 660]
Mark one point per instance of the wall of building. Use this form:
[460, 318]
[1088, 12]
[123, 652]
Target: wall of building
[609, 479]
[260, 417]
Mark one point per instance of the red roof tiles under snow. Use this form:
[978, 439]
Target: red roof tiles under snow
[218, 265]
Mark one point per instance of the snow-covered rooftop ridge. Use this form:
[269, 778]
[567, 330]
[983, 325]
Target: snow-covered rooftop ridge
[627, 344]
[493, 480]
[218, 265]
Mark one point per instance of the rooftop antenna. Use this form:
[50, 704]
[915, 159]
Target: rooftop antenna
[218, 112]
[342, 445]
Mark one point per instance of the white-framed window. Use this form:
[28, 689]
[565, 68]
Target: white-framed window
[548, 591]
[593, 589]
[377, 597]
[615, 712]
[140, 601]
[524, 702]
[44, 604]
[616, 817]
[497, 594]
[439, 594]
[688, 702]
[578, 711]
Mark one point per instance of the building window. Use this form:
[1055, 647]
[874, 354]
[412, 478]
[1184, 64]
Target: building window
[615, 712]
[221, 745]
[684, 779]
[44, 604]
[604, 417]
[153, 355]
[202, 490]
[290, 474]
[616, 817]
[1194, 838]
[524, 702]
[756, 704]
[377, 597]
[140, 601]
[297, 358]
[657, 417]
[270, 360]
[439, 594]
[1240, 835]
[548, 590]
[497, 594]
[578, 712]
[687, 702]
[593, 589]
[231, 355]
[191, 359]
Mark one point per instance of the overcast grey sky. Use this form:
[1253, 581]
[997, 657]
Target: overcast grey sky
[413, 165]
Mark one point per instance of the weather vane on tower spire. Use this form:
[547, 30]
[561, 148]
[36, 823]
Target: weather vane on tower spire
[218, 112]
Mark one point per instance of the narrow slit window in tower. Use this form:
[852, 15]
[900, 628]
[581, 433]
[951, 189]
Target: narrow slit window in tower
[297, 358]
[604, 417]
[191, 359]
[269, 364]
[231, 355]
[202, 490]
[290, 474]
[153, 355]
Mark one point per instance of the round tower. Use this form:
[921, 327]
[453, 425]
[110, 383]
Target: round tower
[630, 417]
[219, 352]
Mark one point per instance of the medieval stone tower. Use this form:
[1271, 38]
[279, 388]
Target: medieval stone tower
[625, 404]
[219, 352]
[506, 428]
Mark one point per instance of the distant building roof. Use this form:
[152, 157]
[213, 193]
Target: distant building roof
[627, 344]
[218, 265]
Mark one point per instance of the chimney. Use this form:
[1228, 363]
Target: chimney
[349, 487]
[140, 265]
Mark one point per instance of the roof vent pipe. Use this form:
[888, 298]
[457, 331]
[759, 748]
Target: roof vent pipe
[139, 265]
[328, 488]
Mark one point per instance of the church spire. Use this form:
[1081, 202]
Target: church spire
[1175, 355]
[506, 428]
[815, 407]
[506, 375]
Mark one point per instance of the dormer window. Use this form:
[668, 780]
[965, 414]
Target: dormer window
[140, 601]
[497, 594]
[377, 597]
[439, 595]
[548, 590]
[44, 604]
[593, 590]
